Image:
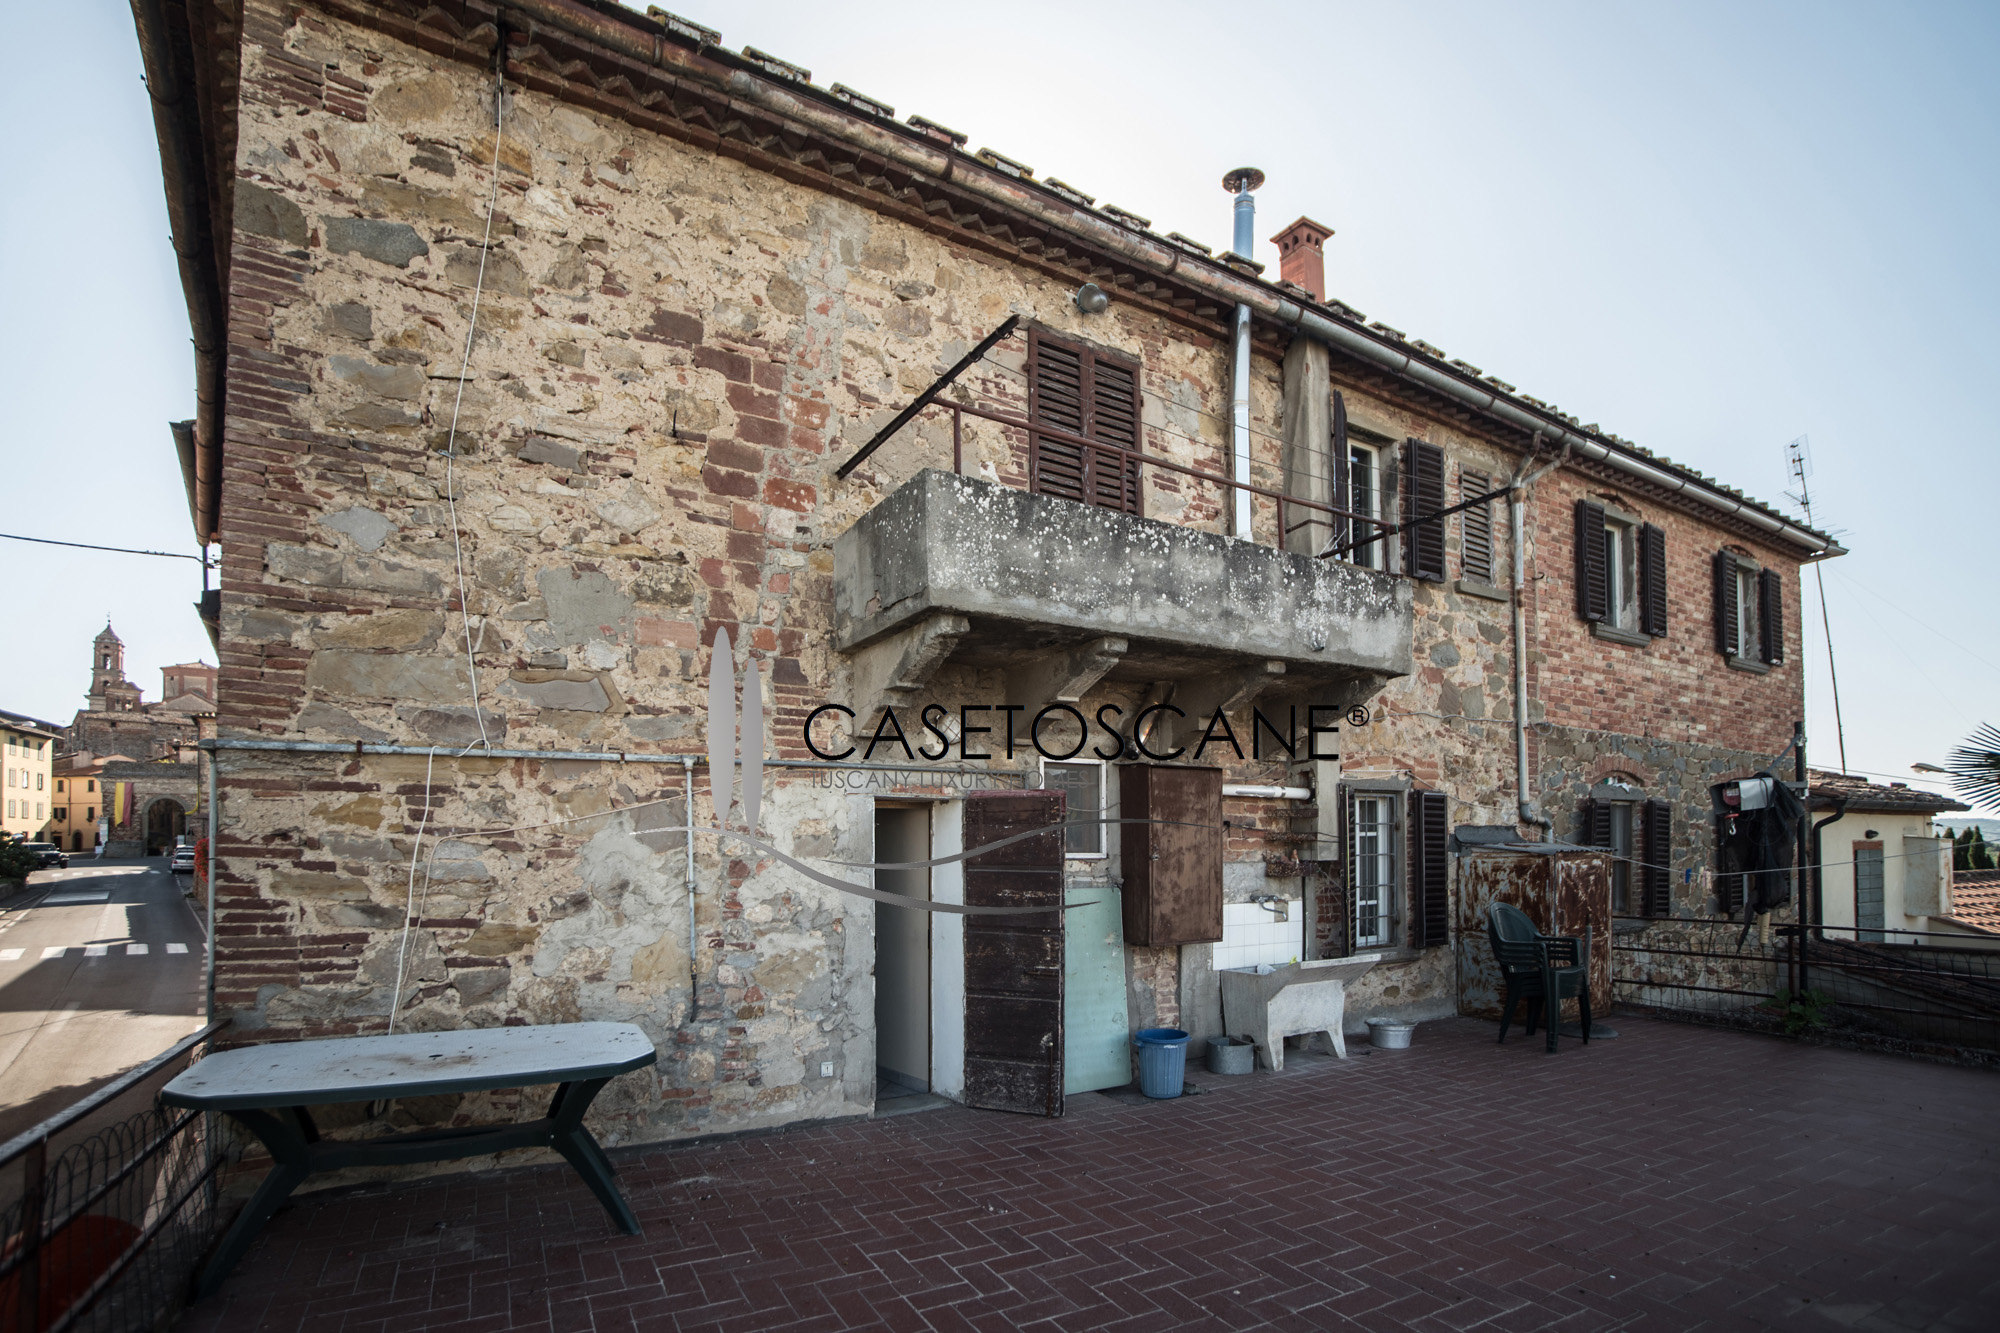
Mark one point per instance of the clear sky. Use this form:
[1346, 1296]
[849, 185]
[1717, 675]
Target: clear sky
[1710, 227]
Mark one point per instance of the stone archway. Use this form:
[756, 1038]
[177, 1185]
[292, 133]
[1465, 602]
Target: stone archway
[166, 820]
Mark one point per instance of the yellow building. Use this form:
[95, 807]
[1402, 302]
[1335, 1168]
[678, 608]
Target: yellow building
[78, 804]
[27, 752]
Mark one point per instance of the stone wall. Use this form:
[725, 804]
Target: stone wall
[672, 352]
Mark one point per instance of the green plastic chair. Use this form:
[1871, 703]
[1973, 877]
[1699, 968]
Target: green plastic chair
[1534, 966]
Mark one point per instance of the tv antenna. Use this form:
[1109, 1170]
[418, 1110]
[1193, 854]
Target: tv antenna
[1798, 461]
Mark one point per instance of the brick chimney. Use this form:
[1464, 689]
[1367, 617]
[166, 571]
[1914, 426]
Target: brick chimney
[1299, 257]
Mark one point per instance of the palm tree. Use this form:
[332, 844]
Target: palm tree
[1975, 767]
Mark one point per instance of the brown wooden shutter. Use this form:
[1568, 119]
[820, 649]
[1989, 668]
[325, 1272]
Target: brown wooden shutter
[1173, 864]
[1771, 615]
[1429, 862]
[1423, 495]
[1342, 473]
[1114, 419]
[1342, 942]
[1657, 857]
[1475, 545]
[1725, 603]
[1084, 396]
[1653, 581]
[1593, 591]
[1014, 964]
[1593, 823]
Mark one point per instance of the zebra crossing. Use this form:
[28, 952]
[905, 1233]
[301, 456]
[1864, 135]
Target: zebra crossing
[89, 951]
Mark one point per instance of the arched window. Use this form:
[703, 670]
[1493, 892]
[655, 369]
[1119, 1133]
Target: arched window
[1639, 834]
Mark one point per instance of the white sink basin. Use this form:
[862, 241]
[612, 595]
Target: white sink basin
[1290, 1000]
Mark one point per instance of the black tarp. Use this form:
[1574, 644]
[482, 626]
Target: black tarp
[1758, 844]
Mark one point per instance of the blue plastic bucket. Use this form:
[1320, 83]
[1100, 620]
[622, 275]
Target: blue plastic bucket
[1162, 1061]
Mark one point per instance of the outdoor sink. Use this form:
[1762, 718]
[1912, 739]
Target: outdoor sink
[1290, 1000]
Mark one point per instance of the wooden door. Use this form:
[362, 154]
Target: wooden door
[1014, 963]
[1868, 904]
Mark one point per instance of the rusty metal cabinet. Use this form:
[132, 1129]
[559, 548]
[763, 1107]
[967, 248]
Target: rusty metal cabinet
[1561, 888]
[1173, 864]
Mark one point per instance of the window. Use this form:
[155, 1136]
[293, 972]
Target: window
[1620, 609]
[90, 814]
[1746, 613]
[1749, 610]
[41, 810]
[1372, 831]
[1475, 534]
[1639, 835]
[1364, 496]
[10, 809]
[1076, 395]
[61, 815]
[1397, 867]
[40, 778]
[1082, 783]
[90, 784]
[59, 784]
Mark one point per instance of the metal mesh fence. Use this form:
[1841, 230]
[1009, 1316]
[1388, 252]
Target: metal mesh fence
[107, 1207]
[1913, 992]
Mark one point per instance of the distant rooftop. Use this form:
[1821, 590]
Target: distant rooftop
[1828, 786]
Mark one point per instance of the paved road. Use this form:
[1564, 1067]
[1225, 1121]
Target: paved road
[100, 969]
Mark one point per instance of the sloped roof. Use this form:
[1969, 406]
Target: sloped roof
[1975, 900]
[185, 703]
[1861, 794]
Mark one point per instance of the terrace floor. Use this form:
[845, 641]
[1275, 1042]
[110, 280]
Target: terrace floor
[1676, 1178]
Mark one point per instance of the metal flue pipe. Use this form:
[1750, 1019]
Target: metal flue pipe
[1241, 182]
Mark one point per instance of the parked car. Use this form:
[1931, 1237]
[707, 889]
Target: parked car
[47, 854]
[183, 860]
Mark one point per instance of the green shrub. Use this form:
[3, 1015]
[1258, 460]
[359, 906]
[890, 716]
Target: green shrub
[1803, 1013]
[16, 861]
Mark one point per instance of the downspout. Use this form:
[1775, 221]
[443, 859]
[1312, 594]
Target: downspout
[1517, 526]
[1241, 182]
[210, 1009]
[687, 815]
[166, 55]
[1814, 909]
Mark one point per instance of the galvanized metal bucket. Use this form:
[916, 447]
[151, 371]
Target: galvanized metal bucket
[1390, 1034]
[1231, 1055]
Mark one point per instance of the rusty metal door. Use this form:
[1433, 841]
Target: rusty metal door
[1014, 964]
[1561, 892]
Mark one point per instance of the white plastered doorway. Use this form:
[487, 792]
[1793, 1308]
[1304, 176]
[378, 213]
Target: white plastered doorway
[921, 999]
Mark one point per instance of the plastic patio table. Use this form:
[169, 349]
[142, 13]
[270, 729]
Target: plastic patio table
[267, 1089]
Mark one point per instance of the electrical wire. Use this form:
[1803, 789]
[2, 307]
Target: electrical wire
[412, 908]
[410, 895]
[1860, 587]
[458, 399]
[116, 550]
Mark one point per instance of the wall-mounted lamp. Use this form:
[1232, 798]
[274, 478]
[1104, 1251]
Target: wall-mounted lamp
[1091, 299]
[1870, 833]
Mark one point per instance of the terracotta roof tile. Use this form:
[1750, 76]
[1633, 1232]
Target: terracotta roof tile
[1975, 900]
[1862, 794]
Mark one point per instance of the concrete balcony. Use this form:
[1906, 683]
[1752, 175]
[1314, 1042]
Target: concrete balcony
[953, 568]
